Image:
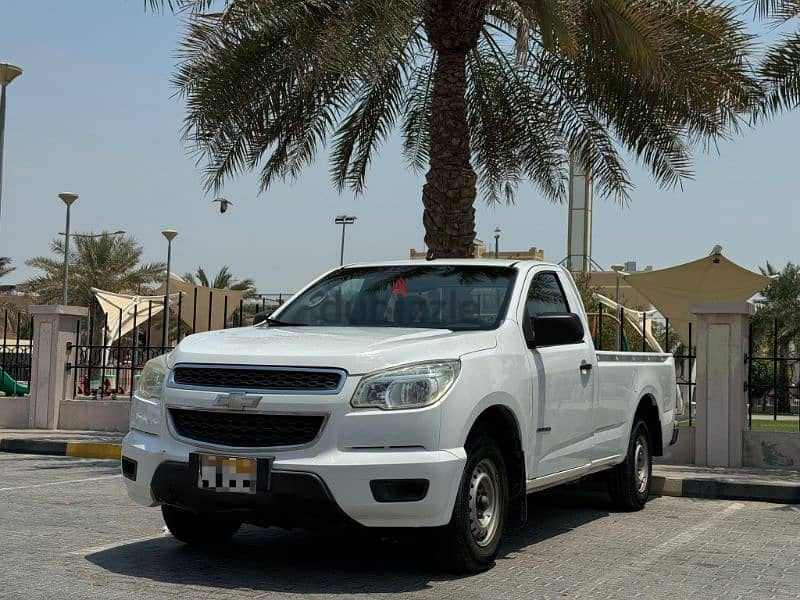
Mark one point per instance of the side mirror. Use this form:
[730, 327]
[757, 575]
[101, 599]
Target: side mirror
[260, 317]
[556, 329]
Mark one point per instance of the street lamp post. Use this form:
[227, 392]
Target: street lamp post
[170, 234]
[617, 270]
[7, 74]
[497, 242]
[68, 198]
[344, 221]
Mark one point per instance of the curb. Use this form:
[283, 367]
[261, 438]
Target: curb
[101, 450]
[721, 489]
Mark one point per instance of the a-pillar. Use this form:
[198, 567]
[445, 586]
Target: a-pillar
[723, 330]
[54, 327]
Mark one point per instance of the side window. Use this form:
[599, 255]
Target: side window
[546, 296]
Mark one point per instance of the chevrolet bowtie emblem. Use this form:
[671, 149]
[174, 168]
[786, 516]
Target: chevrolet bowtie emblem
[237, 401]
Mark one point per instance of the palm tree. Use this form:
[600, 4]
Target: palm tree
[5, 266]
[224, 280]
[108, 262]
[780, 67]
[488, 93]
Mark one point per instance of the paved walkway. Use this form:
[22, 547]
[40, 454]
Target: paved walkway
[70, 532]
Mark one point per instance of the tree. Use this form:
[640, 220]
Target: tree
[487, 93]
[109, 262]
[777, 320]
[5, 266]
[780, 67]
[224, 280]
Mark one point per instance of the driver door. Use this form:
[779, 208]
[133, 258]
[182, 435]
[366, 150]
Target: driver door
[563, 391]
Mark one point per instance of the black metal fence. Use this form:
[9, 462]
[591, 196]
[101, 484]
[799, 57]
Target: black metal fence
[15, 352]
[773, 373]
[611, 331]
[267, 302]
[107, 363]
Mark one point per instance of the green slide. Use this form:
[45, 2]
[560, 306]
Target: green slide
[10, 386]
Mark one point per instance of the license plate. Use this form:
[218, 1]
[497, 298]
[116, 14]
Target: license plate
[228, 474]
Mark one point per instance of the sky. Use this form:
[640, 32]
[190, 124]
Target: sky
[95, 113]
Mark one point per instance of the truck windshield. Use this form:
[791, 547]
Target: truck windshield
[458, 297]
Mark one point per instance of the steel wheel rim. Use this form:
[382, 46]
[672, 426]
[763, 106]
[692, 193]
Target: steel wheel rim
[484, 502]
[642, 465]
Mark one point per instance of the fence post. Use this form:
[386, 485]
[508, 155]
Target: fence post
[53, 329]
[722, 343]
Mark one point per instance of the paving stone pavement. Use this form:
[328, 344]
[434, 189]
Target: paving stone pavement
[67, 530]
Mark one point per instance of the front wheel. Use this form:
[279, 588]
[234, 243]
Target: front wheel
[198, 529]
[469, 543]
[629, 482]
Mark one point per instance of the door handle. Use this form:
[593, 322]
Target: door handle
[585, 367]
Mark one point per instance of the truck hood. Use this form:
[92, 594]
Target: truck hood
[357, 350]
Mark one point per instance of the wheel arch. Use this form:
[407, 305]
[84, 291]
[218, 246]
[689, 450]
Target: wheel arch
[647, 409]
[497, 421]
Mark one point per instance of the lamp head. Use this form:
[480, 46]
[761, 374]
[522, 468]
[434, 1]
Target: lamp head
[8, 73]
[68, 197]
[344, 220]
[170, 234]
[617, 268]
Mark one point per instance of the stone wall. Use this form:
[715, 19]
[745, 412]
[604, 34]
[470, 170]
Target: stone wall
[97, 415]
[771, 449]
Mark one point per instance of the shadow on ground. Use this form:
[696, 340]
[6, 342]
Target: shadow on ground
[341, 562]
[66, 463]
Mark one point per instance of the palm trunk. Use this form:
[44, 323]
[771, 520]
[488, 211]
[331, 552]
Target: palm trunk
[449, 193]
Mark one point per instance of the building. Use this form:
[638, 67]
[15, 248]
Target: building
[481, 251]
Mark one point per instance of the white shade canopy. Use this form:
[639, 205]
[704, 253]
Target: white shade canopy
[713, 278]
[124, 310]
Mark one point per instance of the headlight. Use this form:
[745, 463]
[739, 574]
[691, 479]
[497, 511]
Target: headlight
[413, 386]
[146, 402]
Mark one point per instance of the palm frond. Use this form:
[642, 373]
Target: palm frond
[781, 72]
[378, 106]
[108, 262]
[268, 84]
[5, 266]
[416, 123]
[776, 10]
[514, 128]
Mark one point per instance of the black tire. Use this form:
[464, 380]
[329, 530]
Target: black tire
[199, 529]
[629, 482]
[469, 543]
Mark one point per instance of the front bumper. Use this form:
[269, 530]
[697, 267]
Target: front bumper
[334, 483]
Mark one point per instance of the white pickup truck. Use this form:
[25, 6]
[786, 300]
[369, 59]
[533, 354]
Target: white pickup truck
[413, 394]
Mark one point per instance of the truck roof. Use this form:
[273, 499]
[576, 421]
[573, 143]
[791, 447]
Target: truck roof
[482, 262]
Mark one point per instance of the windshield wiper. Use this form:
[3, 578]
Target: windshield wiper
[279, 323]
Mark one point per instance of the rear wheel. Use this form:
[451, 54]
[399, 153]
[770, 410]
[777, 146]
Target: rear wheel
[199, 529]
[629, 483]
[469, 543]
